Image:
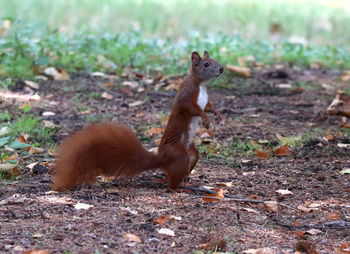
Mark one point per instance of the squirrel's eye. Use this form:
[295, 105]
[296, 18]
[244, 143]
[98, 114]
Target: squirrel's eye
[206, 64]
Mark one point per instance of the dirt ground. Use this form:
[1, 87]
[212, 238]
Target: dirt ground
[314, 216]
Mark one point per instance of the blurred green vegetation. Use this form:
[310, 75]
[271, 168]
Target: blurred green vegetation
[108, 35]
[318, 21]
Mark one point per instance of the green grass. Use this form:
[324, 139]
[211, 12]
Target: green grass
[5, 116]
[240, 147]
[6, 83]
[86, 36]
[247, 147]
[84, 53]
[26, 123]
[312, 134]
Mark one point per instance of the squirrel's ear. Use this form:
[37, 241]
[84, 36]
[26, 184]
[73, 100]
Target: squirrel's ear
[206, 54]
[196, 58]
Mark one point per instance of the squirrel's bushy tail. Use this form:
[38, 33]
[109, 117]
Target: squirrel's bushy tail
[106, 148]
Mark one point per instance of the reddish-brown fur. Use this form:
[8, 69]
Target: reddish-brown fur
[111, 149]
[106, 148]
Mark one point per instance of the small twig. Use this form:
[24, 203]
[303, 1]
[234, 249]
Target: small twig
[197, 189]
[227, 197]
[329, 225]
[108, 90]
[289, 207]
[233, 199]
[174, 208]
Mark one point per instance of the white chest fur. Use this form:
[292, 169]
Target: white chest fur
[202, 96]
[202, 101]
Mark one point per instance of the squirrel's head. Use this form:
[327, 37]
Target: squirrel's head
[204, 67]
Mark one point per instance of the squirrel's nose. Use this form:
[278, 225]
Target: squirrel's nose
[221, 69]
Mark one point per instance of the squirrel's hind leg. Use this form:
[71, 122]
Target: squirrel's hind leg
[177, 164]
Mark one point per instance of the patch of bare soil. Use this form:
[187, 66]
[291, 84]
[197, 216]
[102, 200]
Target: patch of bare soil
[312, 195]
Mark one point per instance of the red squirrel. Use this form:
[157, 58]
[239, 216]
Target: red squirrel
[112, 149]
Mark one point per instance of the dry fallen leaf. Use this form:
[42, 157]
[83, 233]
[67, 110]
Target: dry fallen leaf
[166, 231]
[48, 113]
[343, 145]
[14, 199]
[306, 247]
[32, 84]
[201, 131]
[32, 165]
[345, 171]
[107, 96]
[154, 149]
[154, 131]
[49, 124]
[254, 197]
[215, 245]
[37, 235]
[98, 74]
[306, 209]
[5, 131]
[260, 251]
[85, 112]
[345, 76]
[313, 231]
[283, 150]
[136, 103]
[241, 61]
[131, 84]
[7, 167]
[227, 184]
[340, 106]
[36, 150]
[107, 84]
[132, 238]
[314, 204]
[333, 216]
[82, 206]
[284, 192]
[343, 248]
[250, 210]
[300, 234]
[106, 63]
[5, 27]
[11, 157]
[261, 154]
[288, 140]
[127, 91]
[35, 252]
[241, 71]
[129, 210]
[329, 137]
[22, 139]
[316, 65]
[218, 196]
[271, 206]
[56, 73]
[173, 217]
[20, 97]
[161, 220]
[284, 86]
